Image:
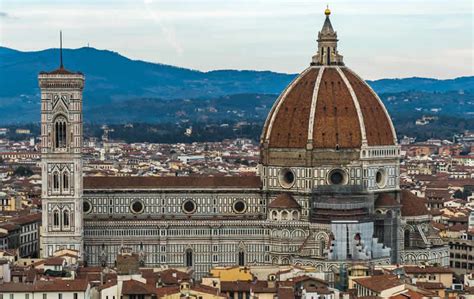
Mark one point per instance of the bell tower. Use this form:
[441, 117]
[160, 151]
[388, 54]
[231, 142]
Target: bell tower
[61, 163]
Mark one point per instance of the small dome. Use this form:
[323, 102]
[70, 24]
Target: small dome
[412, 205]
[386, 200]
[328, 107]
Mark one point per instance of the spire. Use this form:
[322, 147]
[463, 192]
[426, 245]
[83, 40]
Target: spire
[327, 45]
[61, 49]
[327, 26]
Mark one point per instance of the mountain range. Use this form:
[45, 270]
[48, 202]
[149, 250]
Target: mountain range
[115, 80]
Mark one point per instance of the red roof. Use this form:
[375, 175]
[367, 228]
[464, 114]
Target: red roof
[412, 205]
[335, 117]
[91, 183]
[284, 201]
[379, 283]
[61, 71]
[135, 287]
[54, 261]
[57, 285]
[427, 269]
[386, 200]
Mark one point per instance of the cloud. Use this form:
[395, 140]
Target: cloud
[6, 15]
[168, 32]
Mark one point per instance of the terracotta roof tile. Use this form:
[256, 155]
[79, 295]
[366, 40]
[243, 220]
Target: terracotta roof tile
[109, 182]
[57, 285]
[60, 71]
[336, 119]
[412, 205]
[135, 287]
[430, 285]
[284, 201]
[386, 200]
[377, 125]
[379, 283]
[286, 293]
[54, 261]
[259, 286]
[428, 269]
[290, 127]
[164, 291]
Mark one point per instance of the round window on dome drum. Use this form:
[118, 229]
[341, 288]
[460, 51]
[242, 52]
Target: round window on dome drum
[286, 178]
[189, 206]
[86, 206]
[338, 177]
[381, 178]
[137, 207]
[239, 206]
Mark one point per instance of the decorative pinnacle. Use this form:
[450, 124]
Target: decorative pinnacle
[327, 12]
[61, 48]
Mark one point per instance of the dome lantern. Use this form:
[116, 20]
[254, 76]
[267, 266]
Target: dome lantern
[327, 45]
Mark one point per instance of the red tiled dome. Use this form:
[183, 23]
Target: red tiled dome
[328, 107]
[412, 205]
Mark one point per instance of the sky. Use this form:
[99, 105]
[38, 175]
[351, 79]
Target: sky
[378, 38]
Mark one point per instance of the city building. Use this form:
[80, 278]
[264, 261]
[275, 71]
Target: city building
[326, 194]
[53, 289]
[461, 251]
[29, 234]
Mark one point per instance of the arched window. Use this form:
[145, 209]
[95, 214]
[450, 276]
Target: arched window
[66, 218]
[189, 258]
[65, 180]
[322, 247]
[56, 218]
[295, 215]
[56, 181]
[241, 258]
[60, 128]
[407, 238]
[274, 215]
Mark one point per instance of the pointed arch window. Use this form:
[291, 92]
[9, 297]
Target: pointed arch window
[322, 247]
[407, 238]
[66, 180]
[328, 56]
[56, 181]
[56, 218]
[189, 257]
[66, 218]
[60, 129]
[241, 258]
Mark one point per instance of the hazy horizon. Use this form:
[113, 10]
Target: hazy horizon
[378, 39]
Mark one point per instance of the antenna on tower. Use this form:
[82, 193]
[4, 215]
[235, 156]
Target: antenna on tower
[61, 48]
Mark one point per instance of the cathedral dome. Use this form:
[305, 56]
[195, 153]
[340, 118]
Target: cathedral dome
[328, 106]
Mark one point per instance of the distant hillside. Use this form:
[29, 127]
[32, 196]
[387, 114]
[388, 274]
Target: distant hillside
[115, 84]
[110, 76]
[422, 84]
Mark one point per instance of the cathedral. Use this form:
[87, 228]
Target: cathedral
[326, 193]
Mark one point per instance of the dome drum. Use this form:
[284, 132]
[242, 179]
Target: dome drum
[286, 157]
